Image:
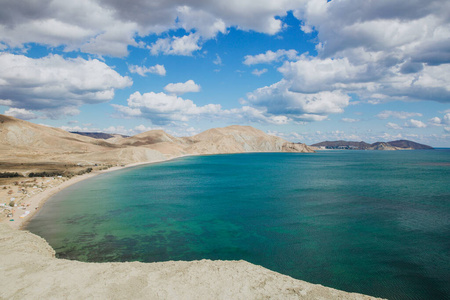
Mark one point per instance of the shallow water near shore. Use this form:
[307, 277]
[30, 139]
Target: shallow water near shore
[372, 222]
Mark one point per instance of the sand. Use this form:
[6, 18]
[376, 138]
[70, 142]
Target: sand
[37, 193]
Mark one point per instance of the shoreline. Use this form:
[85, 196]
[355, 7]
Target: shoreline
[36, 202]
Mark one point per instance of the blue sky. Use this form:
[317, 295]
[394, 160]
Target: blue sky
[305, 70]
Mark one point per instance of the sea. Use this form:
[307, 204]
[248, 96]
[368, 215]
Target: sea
[371, 222]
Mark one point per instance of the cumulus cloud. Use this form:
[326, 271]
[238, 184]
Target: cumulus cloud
[387, 49]
[165, 109]
[142, 70]
[374, 25]
[415, 124]
[181, 88]
[397, 114]
[218, 60]
[251, 114]
[259, 72]
[108, 27]
[311, 75]
[161, 108]
[142, 128]
[21, 113]
[184, 45]
[435, 121]
[270, 56]
[350, 120]
[55, 85]
[446, 119]
[393, 126]
[279, 99]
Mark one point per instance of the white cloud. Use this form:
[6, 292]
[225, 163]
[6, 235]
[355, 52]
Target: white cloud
[446, 119]
[259, 72]
[311, 75]
[279, 99]
[397, 114]
[161, 108]
[107, 27]
[181, 88]
[156, 69]
[391, 49]
[435, 121]
[350, 120]
[415, 124]
[206, 24]
[184, 45]
[164, 109]
[142, 128]
[393, 126]
[251, 114]
[81, 129]
[55, 85]
[447, 129]
[218, 60]
[119, 129]
[21, 113]
[270, 56]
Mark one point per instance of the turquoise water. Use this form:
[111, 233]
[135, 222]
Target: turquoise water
[373, 222]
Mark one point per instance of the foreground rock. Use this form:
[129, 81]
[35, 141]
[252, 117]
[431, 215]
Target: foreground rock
[29, 270]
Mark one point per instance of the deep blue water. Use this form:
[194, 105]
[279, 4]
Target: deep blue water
[373, 222]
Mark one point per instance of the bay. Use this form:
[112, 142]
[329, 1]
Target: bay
[372, 222]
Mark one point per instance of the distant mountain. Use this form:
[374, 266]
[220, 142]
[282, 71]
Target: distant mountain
[343, 145]
[231, 139]
[98, 135]
[409, 144]
[394, 145]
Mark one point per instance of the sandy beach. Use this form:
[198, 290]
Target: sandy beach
[29, 195]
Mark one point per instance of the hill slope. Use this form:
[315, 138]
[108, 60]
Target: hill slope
[99, 135]
[25, 142]
[231, 139]
[237, 139]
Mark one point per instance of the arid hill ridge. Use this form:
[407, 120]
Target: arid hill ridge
[25, 142]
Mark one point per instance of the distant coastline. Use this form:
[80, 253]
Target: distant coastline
[351, 145]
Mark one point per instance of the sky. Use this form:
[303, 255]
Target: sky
[304, 70]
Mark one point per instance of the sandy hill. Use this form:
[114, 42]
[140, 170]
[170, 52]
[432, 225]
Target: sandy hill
[237, 139]
[25, 142]
[231, 139]
[36, 142]
[18, 134]
[151, 137]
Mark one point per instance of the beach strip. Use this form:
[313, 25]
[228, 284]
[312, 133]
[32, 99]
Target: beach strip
[29, 206]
